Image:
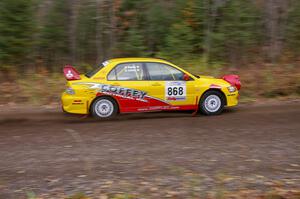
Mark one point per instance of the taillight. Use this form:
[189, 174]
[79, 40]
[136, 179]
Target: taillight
[70, 91]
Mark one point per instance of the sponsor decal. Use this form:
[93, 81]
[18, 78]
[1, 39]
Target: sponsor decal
[69, 74]
[175, 91]
[156, 108]
[77, 103]
[132, 68]
[118, 91]
[105, 63]
[231, 95]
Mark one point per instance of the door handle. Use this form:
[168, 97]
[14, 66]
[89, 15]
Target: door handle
[156, 84]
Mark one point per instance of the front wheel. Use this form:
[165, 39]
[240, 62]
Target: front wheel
[212, 103]
[104, 108]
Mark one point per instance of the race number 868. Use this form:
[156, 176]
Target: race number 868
[175, 91]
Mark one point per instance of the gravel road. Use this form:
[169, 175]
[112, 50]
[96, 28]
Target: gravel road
[154, 155]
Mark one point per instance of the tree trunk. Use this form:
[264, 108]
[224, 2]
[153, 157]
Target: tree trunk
[112, 17]
[212, 12]
[99, 43]
[74, 6]
[275, 19]
[42, 11]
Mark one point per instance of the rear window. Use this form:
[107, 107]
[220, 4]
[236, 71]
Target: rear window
[96, 70]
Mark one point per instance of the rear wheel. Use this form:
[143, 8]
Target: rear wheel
[104, 108]
[212, 103]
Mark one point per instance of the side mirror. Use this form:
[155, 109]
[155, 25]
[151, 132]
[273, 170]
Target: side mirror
[186, 77]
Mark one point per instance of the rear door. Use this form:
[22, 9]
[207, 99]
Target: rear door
[127, 83]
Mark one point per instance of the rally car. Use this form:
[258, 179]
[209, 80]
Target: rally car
[127, 85]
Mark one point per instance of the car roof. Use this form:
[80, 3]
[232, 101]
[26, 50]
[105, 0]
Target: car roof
[137, 59]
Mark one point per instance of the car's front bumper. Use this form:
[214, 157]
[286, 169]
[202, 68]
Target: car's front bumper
[232, 99]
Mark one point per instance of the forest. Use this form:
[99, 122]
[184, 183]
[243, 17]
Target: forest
[204, 35]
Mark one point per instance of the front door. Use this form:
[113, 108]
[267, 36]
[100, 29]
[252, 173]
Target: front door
[166, 83]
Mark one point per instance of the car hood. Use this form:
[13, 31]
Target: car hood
[206, 77]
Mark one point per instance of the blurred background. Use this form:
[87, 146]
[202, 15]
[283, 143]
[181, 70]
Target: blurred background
[256, 39]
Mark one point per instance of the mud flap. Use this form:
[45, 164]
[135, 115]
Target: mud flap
[197, 107]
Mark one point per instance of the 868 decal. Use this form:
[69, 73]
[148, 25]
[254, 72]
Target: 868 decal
[175, 90]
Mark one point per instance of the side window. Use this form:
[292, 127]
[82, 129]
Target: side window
[127, 72]
[159, 71]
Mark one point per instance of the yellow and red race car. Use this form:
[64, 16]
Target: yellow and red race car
[127, 85]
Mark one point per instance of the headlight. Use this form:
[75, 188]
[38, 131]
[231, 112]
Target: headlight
[70, 91]
[231, 89]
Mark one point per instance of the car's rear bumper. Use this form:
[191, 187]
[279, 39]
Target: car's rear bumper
[74, 104]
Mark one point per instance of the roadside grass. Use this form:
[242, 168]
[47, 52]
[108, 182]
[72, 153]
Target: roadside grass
[78, 196]
[35, 89]
[258, 82]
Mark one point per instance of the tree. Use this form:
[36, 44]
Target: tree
[292, 35]
[236, 32]
[156, 25]
[133, 43]
[74, 7]
[52, 33]
[180, 41]
[55, 38]
[275, 15]
[87, 33]
[16, 28]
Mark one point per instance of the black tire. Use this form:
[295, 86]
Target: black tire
[207, 106]
[104, 108]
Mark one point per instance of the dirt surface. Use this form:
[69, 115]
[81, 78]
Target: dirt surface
[50, 154]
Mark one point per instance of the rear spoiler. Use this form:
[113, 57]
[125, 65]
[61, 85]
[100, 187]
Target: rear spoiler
[71, 73]
[234, 80]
